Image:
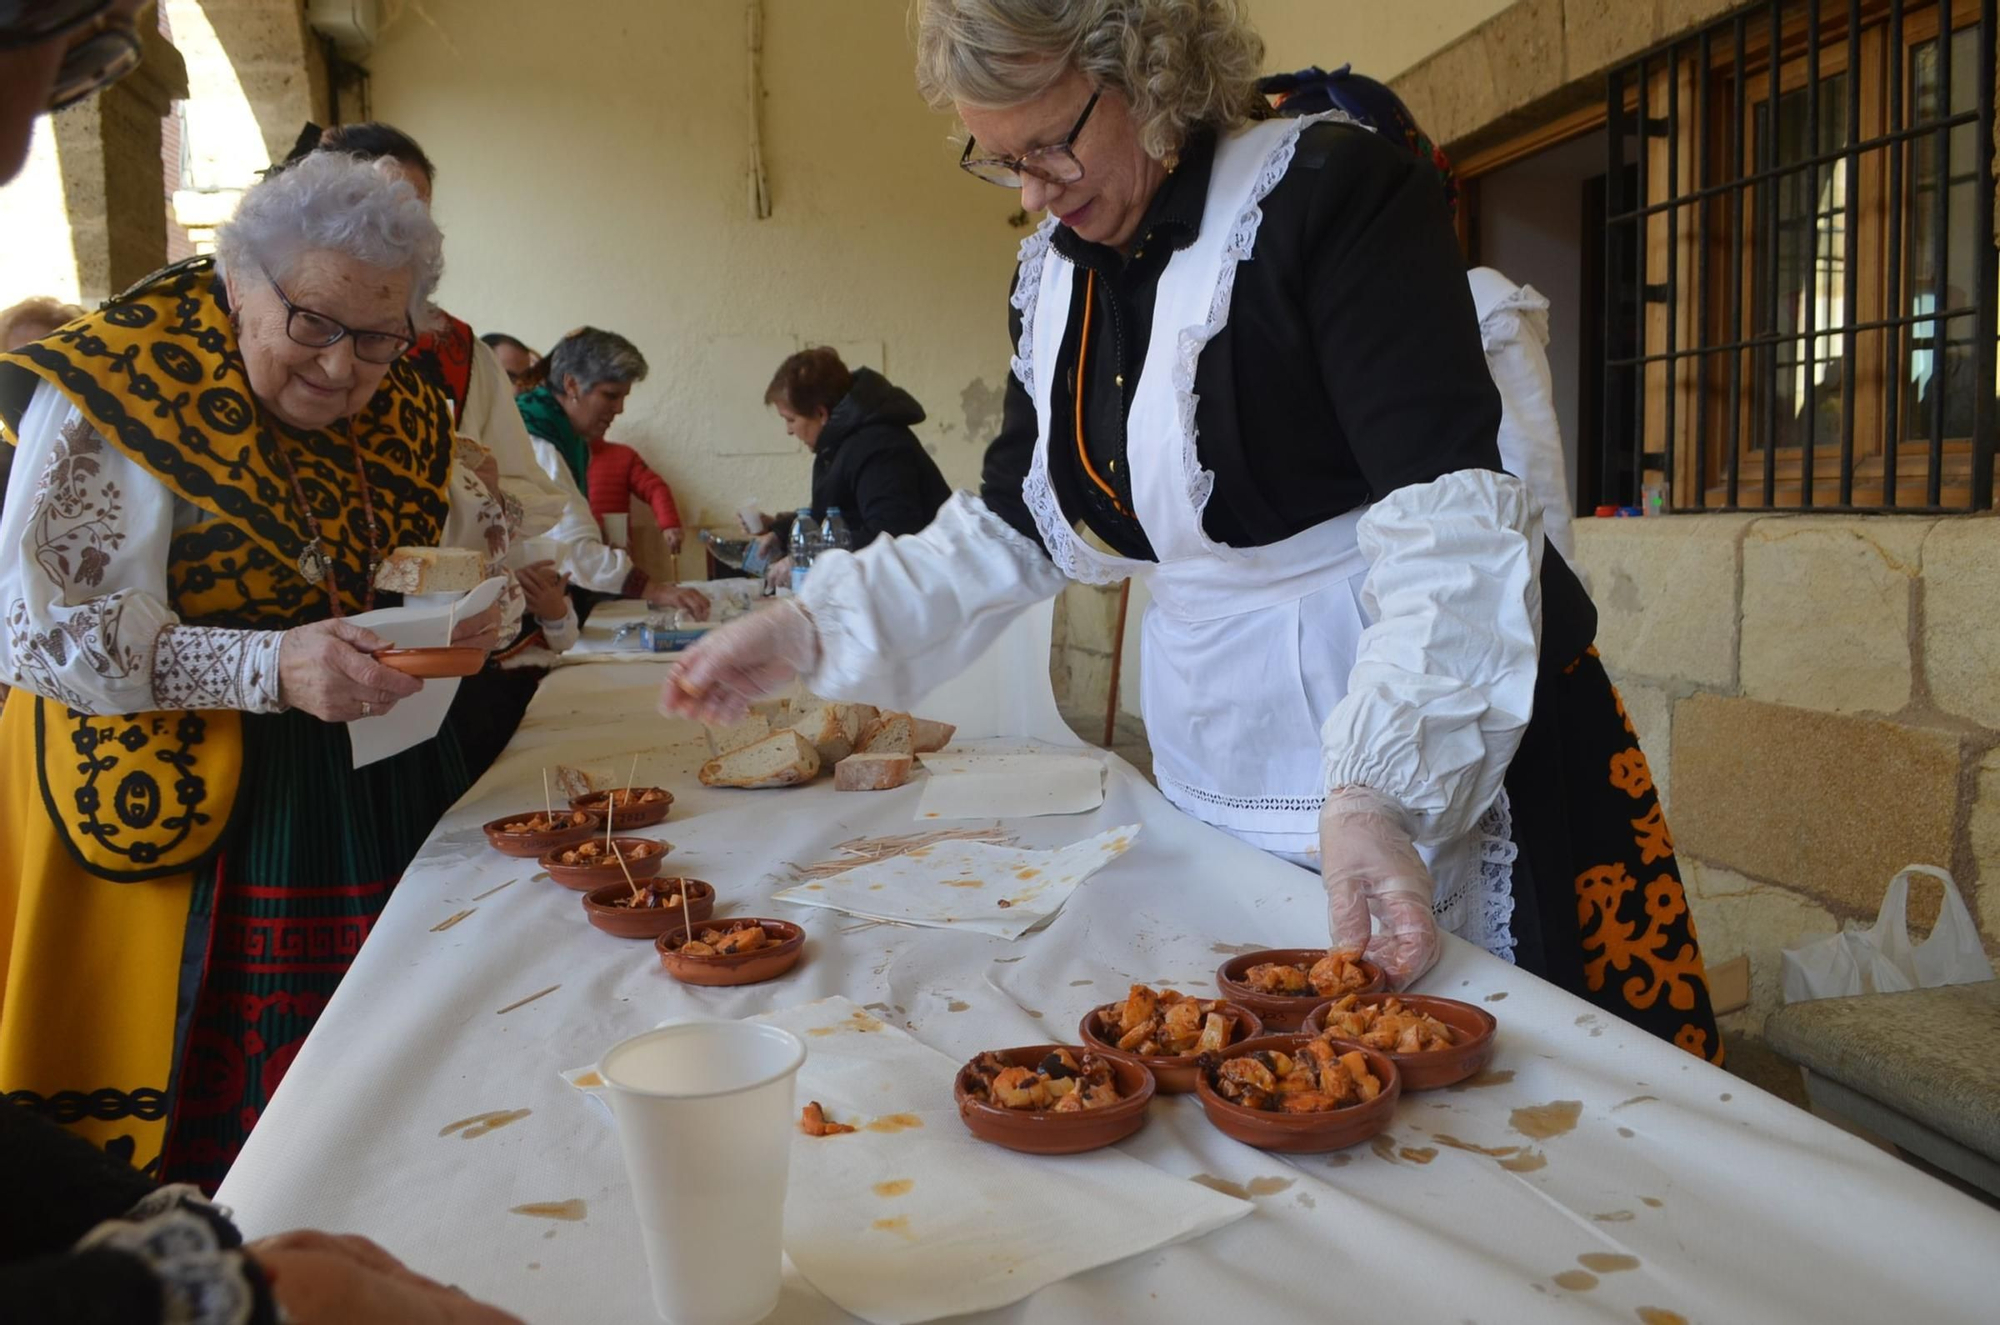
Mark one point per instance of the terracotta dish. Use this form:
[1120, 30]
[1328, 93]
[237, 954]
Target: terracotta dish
[1173, 1074]
[1281, 1012]
[531, 845]
[638, 814]
[433, 664]
[585, 877]
[1045, 1132]
[1302, 1133]
[787, 945]
[1472, 1032]
[628, 922]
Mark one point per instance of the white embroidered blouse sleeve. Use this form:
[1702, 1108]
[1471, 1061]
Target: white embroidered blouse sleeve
[590, 562]
[905, 614]
[478, 520]
[1443, 682]
[1514, 330]
[562, 634]
[84, 543]
[491, 419]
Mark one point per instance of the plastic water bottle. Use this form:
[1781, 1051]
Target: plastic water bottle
[805, 543]
[833, 531]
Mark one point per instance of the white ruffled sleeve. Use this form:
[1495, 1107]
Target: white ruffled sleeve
[1444, 678]
[84, 544]
[587, 559]
[1514, 330]
[905, 614]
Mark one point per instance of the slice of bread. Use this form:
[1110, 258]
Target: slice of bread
[824, 726]
[931, 737]
[872, 772]
[783, 759]
[721, 740]
[892, 734]
[419, 570]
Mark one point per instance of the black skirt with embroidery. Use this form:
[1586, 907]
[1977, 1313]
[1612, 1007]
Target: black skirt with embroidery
[1598, 904]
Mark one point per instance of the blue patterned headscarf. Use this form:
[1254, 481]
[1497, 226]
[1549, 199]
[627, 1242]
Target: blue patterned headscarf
[1311, 91]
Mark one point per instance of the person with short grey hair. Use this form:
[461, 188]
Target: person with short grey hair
[1247, 371]
[590, 375]
[212, 468]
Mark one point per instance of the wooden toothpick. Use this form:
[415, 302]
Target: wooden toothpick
[548, 805]
[630, 882]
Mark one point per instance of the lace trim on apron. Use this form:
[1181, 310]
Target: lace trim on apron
[1480, 908]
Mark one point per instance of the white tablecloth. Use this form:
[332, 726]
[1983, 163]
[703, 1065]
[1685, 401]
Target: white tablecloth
[1731, 1205]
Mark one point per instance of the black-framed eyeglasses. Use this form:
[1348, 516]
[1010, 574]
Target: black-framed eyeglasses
[1054, 164]
[103, 46]
[317, 331]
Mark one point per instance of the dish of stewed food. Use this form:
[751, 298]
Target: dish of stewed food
[1331, 976]
[1389, 1025]
[1166, 1023]
[1318, 1077]
[595, 852]
[1063, 1082]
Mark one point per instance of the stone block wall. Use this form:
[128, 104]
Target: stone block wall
[1086, 636]
[1819, 697]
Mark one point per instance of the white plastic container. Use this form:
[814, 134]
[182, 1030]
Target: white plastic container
[705, 1118]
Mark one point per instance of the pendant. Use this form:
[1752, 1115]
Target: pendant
[312, 562]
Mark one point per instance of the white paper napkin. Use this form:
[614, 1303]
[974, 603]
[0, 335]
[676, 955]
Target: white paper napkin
[415, 626]
[912, 1218]
[999, 890]
[1010, 786]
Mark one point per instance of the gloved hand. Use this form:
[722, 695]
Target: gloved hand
[742, 661]
[1371, 869]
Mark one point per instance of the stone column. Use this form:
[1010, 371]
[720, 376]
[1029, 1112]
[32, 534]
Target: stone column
[109, 148]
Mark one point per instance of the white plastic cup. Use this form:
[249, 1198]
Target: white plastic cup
[705, 1118]
[751, 516]
[618, 530]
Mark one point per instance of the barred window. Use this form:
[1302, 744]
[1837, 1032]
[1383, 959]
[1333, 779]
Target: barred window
[1799, 266]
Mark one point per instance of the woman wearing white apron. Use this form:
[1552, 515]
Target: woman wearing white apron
[1246, 360]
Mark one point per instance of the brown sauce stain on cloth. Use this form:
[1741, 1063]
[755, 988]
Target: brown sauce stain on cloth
[571, 1211]
[900, 1226]
[1615, 1217]
[442, 925]
[897, 1187]
[1636, 1099]
[1542, 1121]
[958, 1005]
[1526, 1162]
[479, 1124]
[1497, 1152]
[1576, 1281]
[1418, 1154]
[1223, 1185]
[1653, 1201]
[1483, 1080]
[1269, 1186]
[1495, 998]
[1384, 1146]
[1607, 1262]
[896, 1122]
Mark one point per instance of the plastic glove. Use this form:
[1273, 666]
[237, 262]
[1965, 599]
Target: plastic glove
[1372, 871]
[745, 660]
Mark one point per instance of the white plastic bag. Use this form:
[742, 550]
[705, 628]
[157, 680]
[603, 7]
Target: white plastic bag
[1880, 959]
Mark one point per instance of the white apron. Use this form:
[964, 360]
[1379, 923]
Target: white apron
[1246, 650]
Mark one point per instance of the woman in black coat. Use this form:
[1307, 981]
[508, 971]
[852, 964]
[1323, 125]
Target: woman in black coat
[866, 461]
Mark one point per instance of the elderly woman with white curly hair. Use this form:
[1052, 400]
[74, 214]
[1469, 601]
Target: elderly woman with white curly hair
[209, 470]
[1247, 362]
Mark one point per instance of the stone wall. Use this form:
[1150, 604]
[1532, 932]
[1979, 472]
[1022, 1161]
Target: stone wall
[1086, 625]
[1819, 697]
[1537, 60]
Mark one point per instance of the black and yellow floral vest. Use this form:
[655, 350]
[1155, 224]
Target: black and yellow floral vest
[158, 376]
